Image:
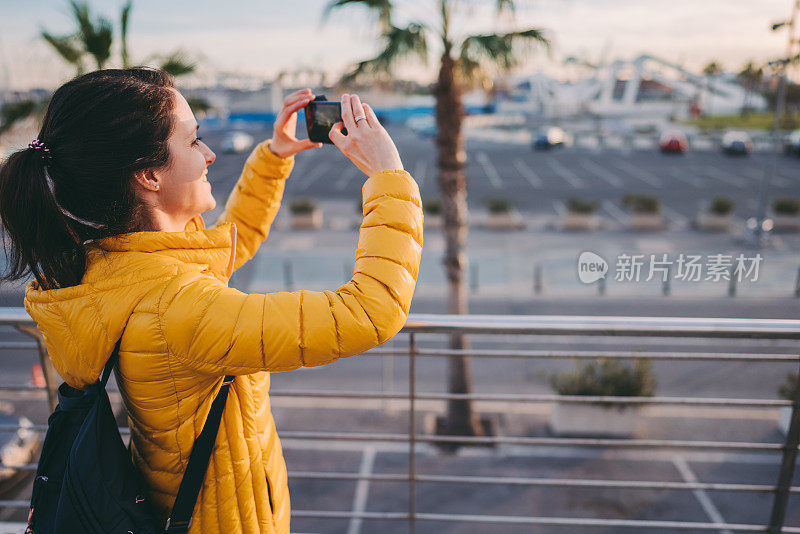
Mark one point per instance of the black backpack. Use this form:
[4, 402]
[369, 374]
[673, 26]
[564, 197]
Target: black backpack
[86, 481]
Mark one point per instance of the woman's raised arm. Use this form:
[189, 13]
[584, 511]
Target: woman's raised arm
[215, 329]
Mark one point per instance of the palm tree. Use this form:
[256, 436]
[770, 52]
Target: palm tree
[750, 76]
[711, 70]
[462, 59]
[92, 37]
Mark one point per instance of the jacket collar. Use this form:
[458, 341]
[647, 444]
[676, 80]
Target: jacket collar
[214, 247]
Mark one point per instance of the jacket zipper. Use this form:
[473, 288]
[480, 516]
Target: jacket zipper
[233, 252]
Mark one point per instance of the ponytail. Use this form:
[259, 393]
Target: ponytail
[43, 241]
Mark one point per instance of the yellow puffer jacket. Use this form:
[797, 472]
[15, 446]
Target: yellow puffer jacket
[183, 329]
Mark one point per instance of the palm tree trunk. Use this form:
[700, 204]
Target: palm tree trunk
[461, 419]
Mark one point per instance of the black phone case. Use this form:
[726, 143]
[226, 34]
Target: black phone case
[321, 115]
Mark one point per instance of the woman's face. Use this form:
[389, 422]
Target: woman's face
[183, 187]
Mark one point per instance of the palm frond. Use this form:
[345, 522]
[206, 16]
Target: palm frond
[398, 43]
[123, 27]
[65, 47]
[497, 49]
[96, 37]
[506, 4]
[382, 7]
[13, 112]
[178, 64]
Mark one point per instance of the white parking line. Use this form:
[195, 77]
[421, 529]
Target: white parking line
[602, 172]
[362, 489]
[615, 212]
[571, 178]
[702, 497]
[758, 175]
[640, 173]
[679, 220]
[529, 174]
[348, 174]
[419, 172]
[490, 171]
[713, 172]
[682, 175]
[310, 177]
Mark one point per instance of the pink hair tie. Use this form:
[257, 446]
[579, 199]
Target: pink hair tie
[37, 144]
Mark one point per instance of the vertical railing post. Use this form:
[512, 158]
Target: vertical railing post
[51, 378]
[778, 514]
[412, 434]
[288, 279]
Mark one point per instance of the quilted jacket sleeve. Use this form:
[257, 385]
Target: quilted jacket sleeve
[216, 329]
[255, 200]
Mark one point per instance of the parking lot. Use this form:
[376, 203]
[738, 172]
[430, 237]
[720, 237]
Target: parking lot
[538, 183]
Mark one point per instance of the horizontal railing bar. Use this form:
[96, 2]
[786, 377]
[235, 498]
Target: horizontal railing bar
[566, 325]
[554, 521]
[590, 354]
[604, 326]
[578, 399]
[521, 481]
[512, 481]
[578, 442]
[498, 519]
[43, 428]
[15, 504]
[18, 345]
[500, 440]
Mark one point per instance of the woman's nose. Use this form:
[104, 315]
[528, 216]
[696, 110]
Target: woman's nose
[210, 156]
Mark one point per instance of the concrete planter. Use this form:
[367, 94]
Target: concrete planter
[646, 222]
[786, 223]
[580, 222]
[711, 222]
[572, 419]
[307, 221]
[783, 420]
[505, 221]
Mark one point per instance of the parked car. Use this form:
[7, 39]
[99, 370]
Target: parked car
[792, 145]
[673, 142]
[550, 137]
[737, 143]
[234, 142]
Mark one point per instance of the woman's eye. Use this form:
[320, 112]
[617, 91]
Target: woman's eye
[197, 140]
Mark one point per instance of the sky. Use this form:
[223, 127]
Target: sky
[264, 37]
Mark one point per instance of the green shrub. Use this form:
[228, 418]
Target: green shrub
[641, 203]
[788, 390]
[578, 205]
[302, 205]
[607, 377]
[498, 205]
[432, 206]
[721, 205]
[786, 206]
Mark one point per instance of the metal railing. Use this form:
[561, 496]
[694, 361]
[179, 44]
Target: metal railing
[419, 326]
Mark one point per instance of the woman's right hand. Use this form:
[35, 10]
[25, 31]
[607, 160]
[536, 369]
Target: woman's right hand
[367, 144]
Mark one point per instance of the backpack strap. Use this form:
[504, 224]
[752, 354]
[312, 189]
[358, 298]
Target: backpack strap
[181, 516]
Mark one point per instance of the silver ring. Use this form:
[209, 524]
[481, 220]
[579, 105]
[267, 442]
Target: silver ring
[360, 117]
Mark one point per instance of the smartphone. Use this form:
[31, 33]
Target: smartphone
[321, 115]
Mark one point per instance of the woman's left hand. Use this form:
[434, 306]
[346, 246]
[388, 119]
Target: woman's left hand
[284, 143]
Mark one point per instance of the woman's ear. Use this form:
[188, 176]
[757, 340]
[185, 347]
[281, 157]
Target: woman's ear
[147, 180]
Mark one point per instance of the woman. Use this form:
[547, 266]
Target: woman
[104, 208]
